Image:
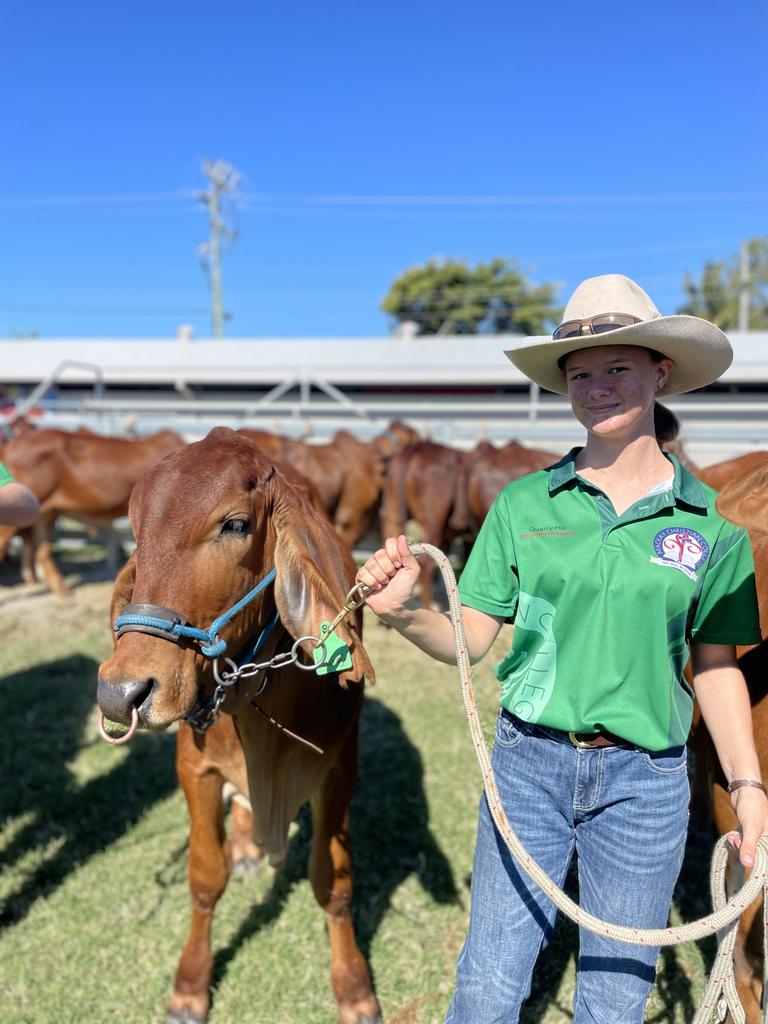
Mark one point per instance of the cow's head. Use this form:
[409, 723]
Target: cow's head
[211, 521]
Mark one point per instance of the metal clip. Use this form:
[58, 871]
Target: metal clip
[350, 605]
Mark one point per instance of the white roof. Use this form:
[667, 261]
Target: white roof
[469, 359]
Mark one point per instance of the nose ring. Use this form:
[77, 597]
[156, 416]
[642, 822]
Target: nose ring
[117, 740]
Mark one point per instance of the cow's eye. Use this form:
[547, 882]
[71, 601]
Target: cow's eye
[238, 527]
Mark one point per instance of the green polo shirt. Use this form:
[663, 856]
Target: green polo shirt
[604, 605]
[5, 476]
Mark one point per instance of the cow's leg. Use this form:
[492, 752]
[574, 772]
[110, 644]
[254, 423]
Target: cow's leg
[42, 533]
[7, 533]
[434, 532]
[246, 856]
[28, 573]
[208, 874]
[330, 872]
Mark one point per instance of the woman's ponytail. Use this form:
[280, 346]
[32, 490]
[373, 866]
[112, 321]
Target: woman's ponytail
[665, 424]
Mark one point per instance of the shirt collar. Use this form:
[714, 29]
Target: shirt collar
[685, 486]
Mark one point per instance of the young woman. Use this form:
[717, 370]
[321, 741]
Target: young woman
[609, 563]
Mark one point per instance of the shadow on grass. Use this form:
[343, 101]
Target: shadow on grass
[44, 710]
[391, 838]
[88, 563]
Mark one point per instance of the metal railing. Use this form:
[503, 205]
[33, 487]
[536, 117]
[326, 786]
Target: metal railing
[306, 404]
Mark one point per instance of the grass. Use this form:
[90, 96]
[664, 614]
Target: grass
[93, 894]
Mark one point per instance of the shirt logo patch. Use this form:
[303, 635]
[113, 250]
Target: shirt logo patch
[682, 549]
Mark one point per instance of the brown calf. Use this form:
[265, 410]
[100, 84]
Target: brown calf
[80, 474]
[493, 468]
[211, 521]
[427, 482]
[348, 473]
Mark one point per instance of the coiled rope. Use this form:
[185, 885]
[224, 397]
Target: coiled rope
[720, 995]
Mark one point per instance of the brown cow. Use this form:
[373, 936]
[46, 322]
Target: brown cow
[449, 492]
[211, 521]
[397, 436]
[347, 472]
[80, 474]
[722, 473]
[745, 501]
[493, 468]
[427, 482]
[274, 445]
[718, 474]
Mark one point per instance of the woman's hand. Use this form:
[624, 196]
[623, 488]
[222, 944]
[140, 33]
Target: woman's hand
[391, 573]
[750, 805]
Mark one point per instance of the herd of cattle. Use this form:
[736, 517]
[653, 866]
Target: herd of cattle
[360, 485]
[230, 478]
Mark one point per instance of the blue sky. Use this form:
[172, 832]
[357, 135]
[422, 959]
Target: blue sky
[576, 138]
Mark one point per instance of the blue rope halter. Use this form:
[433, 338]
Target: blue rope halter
[170, 625]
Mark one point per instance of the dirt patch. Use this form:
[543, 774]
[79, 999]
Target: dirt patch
[26, 606]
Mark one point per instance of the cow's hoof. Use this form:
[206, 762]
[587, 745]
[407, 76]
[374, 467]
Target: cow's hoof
[183, 1017]
[247, 867]
[377, 1019]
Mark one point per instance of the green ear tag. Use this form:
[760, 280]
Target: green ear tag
[337, 656]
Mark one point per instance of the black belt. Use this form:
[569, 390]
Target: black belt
[582, 740]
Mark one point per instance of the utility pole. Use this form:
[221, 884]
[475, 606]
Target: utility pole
[745, 281]
[222, 183]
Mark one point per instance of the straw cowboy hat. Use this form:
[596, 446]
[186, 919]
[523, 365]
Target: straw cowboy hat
[613, 310]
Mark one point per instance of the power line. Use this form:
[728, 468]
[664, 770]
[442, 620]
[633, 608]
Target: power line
[501, 200]
[93, 200]
[23, 307]
[300, 199]
[637, 250]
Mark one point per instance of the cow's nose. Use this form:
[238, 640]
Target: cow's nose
[117, 700]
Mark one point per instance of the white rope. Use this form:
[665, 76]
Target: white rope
[720, 994]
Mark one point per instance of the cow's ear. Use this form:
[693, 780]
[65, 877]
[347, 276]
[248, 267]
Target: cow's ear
[314, 573]
[745, 500]
[122, 592]
[134, 505]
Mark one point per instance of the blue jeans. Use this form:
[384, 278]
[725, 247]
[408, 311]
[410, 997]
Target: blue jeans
[625, 813]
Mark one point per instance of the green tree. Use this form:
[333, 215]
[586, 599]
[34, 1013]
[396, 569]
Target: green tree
[716, 294]
[450, 297]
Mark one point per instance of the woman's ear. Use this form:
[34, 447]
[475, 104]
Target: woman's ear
[663, 372]
[314, 574]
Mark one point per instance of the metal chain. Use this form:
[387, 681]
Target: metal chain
[252, 668]
[203, 721]
[356, 598]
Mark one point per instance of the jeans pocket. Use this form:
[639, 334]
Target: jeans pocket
[507, 732]
[666, 762]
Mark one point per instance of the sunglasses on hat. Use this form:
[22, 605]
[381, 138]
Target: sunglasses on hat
[594, 325]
